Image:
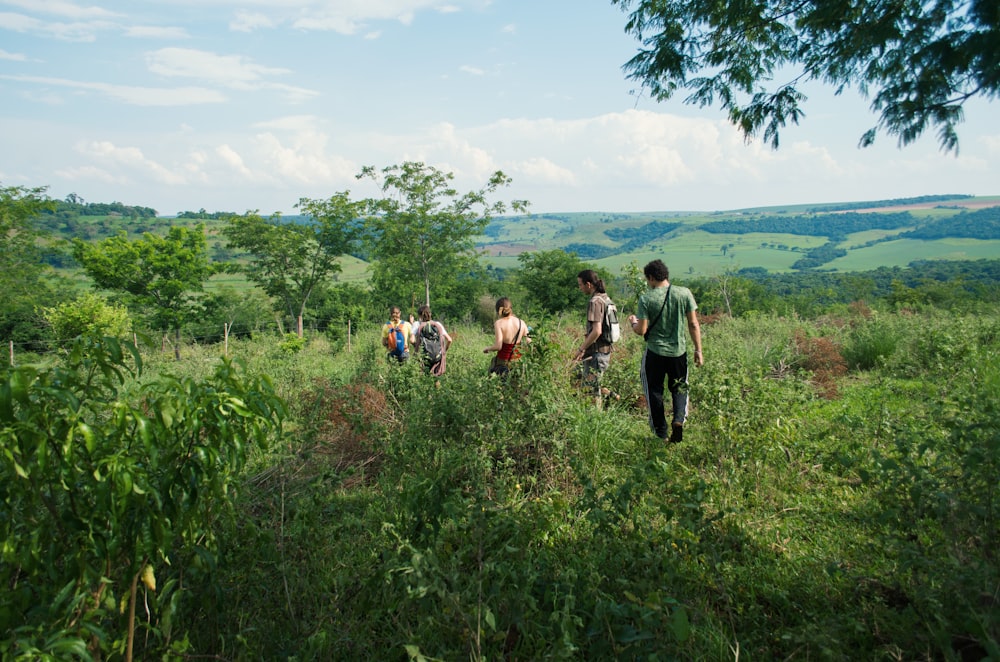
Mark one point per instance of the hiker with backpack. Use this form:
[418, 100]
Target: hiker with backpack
[664, 311]
[396, 336]
[594, 354]
[430, 337]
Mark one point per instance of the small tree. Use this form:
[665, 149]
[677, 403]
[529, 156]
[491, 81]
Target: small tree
[549, 278]
[423, 231]
[159, 274]
[289, 261]
[21, 267]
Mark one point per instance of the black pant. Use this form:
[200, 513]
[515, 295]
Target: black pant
[655, 371]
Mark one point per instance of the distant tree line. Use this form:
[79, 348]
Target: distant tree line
[979, 224]
[75, 204]
[896, 202]
[826, 225]
[201, 214]
[642, 234]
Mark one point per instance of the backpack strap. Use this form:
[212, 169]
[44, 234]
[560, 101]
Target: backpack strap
[660, 314]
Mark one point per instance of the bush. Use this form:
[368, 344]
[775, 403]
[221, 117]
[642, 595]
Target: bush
[870, 344]
[111, 502]
[88, 314]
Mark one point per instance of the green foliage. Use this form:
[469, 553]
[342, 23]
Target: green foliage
[421, 233]
[292, 343]
[822, 225]
[246, 312]
[940, 507]
[884, 50]
[549, 280]
[292, 260]
[979, 224]
[21, 268]
[871, 344]
[156, 273]
[101, 492]
[88, 314]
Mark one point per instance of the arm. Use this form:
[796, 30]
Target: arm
[694, 328]
[444, 337]
[497, 339]
[595, 333]
[639, 326]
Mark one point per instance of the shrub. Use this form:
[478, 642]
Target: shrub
[88, 314]
[870, 344]
[111, 502]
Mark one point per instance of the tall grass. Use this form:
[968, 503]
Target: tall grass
[465, 517]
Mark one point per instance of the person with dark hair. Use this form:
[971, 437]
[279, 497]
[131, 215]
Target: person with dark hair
[432, 339]
[663, 312]
[509, 331]
[396, 336]
[594, 354]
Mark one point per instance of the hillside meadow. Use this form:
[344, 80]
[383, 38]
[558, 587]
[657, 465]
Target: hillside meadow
[835, 498]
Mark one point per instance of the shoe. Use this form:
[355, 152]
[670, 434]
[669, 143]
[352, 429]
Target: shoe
[676, 434]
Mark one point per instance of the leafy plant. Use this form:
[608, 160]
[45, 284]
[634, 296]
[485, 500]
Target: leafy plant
[110, 502]
[88, 314]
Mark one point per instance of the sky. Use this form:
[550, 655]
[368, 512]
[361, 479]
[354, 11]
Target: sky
[252, 105]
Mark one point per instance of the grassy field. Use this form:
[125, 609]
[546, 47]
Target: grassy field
[901, 252]
[833, 499]
[697, 253]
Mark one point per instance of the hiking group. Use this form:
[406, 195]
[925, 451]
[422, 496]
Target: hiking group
[664, 313]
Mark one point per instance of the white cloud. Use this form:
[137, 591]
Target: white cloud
[300, 123]
[156, 32]
[232, 71]
[90, 173]
[203, 65]
[234, 160]
[245, 21]
[59, 8]
[129, 158]
[85, 31]
[475, 71]
[133, 95]
[14, 57]
[349, 17]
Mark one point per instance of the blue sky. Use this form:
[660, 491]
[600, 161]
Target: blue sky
[251, 105]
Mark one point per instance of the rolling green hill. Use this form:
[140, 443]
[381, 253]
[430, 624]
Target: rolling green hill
[828, 237]
[843, 237]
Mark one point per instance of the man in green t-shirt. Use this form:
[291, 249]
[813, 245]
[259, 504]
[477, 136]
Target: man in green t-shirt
[664, 311]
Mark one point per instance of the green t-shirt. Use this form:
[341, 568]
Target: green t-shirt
[668, 337]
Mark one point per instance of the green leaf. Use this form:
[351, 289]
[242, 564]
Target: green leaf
[680, 624]
[89, 438]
